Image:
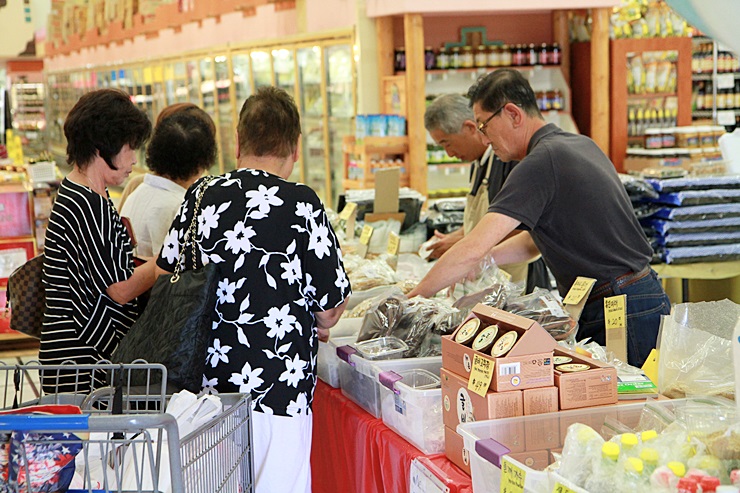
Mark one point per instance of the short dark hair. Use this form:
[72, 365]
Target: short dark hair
[182, 146]
[269, 124]
[495, 89]
[104, 121]
[190, 108]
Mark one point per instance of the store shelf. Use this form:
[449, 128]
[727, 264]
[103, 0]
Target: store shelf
[652, 95]
[700, 77]
[483, 70]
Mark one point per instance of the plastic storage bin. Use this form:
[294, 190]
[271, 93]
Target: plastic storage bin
[382, 348]
[360, 378]
[328, 361]
[520, 440]
[412, 407]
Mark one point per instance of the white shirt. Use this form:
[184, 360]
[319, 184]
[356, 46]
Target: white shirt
[151, 209]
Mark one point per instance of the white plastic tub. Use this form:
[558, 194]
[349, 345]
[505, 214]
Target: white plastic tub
[360, 378]
[412, 407]
[327, 365]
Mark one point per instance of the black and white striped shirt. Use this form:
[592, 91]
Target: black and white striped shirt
[87, 249]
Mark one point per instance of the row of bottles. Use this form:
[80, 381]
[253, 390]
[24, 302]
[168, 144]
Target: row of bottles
[703, 97]
[485, 56]
[702, 60]
[641, 118]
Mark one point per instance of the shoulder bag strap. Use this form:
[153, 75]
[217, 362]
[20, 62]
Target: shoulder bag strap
[190, 237]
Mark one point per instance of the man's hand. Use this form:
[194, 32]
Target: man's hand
[444, 242]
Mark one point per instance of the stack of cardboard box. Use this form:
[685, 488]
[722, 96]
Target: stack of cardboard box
[523, 381]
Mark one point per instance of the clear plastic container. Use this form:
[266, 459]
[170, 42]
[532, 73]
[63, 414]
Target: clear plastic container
[359, 377]
[327, 365]
[382, 348]
[412, 407]
[488, 441]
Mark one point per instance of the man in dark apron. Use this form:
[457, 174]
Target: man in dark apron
[451, 123]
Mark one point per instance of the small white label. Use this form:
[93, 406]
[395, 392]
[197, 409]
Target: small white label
[467, 363]
[399, 404]
[464, 406]
[726, 117]
[509, 369]
[725, 81]
[555, 308]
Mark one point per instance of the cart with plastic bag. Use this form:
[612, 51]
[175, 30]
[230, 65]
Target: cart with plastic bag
[124, 434]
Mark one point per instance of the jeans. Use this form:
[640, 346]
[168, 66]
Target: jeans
[646, 302]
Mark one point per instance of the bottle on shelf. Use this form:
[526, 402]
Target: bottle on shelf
[532, 57]
[481, 56]
[518, 56]
[443, 59]
[467, 59]
[507, 57]
[429, 58]
[708, 96]
[400, 59]
[544, 55]
[631, 122]
[737, 94]
[698, 103]
[494, 56]
[455, 58]
[555, 54]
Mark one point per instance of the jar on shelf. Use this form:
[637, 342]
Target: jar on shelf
[653, 138]
[517, 56]
[532, 56]
[668, 136]
[481, 56]
[443, 59]
[400, 59]
[557, 102]
[494, 56]
[543, 57]
[555, 54]
[455, 58]
[506, 56]
[541, 97]
[687, 137]
[429, 58]
[467, 59]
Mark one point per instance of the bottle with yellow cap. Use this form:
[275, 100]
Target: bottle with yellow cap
[629, 444]
[649, 457]
[665, 478]
[604, 476]
[632, 469]
[648, 435]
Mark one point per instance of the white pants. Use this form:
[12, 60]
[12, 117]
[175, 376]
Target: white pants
[282, 453]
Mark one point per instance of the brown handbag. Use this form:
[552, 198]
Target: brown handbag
[26, 297]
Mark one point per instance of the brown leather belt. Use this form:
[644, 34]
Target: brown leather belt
[605, 289]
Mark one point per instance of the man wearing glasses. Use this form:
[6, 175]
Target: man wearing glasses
[451, 123]
[566, 194]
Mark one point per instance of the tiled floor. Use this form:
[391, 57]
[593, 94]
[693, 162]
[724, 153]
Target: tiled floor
[28, 387]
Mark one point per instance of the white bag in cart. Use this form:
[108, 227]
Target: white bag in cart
[190, 412]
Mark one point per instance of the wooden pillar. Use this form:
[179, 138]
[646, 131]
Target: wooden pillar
[384, 31]
[561, 33]
[413, 26]
[600, 112]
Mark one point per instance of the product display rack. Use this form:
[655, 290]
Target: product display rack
[27, 101]
[715, 92]
[373, 153]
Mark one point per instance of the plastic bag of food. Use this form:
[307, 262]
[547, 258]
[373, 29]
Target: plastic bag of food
[419, 322]
[544, 308]
[695, 344]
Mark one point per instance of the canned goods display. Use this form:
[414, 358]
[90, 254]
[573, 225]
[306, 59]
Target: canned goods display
[504, 344]
[561, 360]
[467, 332]
[572, 367]
[485, 339]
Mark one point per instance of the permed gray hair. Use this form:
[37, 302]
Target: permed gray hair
[448, 113]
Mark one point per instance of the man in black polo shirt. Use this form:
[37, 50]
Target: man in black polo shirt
[566, 194]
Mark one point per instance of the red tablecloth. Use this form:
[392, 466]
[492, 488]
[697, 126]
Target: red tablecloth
[356, 453]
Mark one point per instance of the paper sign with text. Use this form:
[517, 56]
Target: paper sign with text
[579, 289]
[512, 477]
[480, 375]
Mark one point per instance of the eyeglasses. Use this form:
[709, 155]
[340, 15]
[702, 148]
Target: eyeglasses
[482, 126]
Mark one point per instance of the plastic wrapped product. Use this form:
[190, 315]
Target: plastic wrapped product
[663, 227]
[645, 210]
[544, 308]
[699, 212]
[699, 197]
[636, 188]
[716, 253]
[697, 239]
[695, 183]
[365, 274]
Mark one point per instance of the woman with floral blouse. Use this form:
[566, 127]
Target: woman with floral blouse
[282, 286]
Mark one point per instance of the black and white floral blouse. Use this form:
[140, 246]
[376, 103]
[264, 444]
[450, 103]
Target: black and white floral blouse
[279, 263]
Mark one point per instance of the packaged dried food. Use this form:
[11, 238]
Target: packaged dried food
[544, 308]
[382, 348]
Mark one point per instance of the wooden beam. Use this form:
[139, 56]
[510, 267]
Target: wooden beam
[561, 35]
[413, 25]
[384, 32]
[600, 78]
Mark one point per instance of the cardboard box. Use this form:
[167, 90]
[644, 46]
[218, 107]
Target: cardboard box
[536, 459]
[542, 433]
[594, 387]
[455, 450]
[527, 365]
[460, 405]
[540, 401]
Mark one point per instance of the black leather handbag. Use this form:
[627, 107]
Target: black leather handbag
[175, 327]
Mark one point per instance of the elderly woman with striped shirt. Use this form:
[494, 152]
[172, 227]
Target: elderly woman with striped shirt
[89, 275]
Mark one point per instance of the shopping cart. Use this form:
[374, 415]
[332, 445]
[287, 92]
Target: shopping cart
[126, 441]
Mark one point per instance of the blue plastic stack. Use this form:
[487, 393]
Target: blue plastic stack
[692, 219]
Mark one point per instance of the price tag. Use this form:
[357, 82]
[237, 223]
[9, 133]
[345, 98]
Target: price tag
[512, 477]
[367, 233]
[348, 210]
[615, 312]
[725, 81]
[394, 243]
[480, 375]
[726, 117]
[615, 320]
[561, 488]
[578, 290]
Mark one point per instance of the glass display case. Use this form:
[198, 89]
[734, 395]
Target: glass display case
[319, 74]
